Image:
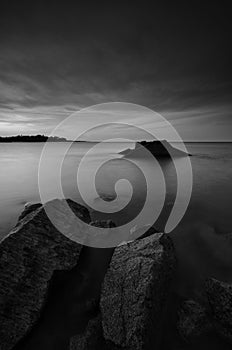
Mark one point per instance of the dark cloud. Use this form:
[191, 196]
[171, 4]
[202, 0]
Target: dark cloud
[171, 57]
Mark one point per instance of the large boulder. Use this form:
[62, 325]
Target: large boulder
[135, 293]
[36, 259]
[220, 300]
[28, 257]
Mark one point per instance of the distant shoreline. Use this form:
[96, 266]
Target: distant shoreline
[56, 139]
[186, 142]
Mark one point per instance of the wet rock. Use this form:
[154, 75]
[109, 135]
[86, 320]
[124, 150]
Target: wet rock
[135, 292]
[220, 299]
[28, 257]
[193, 320]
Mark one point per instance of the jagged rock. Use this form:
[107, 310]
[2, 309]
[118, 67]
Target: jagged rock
[220, 300]
[193, 320]
[28, 257]
[135, 292]
[28, 208]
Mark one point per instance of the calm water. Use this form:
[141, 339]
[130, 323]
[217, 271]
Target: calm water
[212, 173]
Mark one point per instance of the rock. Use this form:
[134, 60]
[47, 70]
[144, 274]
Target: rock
[220, 299]
[92, 338]
[28, 257]
[136, 292]
[193, 320]
[159, 148]
[103, 223]
[28, 208]
[108, 197]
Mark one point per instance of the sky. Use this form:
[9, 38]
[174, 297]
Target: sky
[57, 57]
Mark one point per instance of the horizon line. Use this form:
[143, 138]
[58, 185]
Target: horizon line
[96, 141]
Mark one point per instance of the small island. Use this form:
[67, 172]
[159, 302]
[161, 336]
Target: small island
[159, 148]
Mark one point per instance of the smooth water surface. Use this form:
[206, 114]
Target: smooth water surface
[211, 164]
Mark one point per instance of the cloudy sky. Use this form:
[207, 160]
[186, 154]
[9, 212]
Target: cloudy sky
[58, 57]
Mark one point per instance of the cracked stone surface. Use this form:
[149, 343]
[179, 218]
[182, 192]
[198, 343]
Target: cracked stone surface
[28, 257]
[135, 292]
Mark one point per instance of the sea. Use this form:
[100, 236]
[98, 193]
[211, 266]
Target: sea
[96, 174]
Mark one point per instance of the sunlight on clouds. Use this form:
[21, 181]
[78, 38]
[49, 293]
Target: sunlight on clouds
[7, 128]
[202, 123]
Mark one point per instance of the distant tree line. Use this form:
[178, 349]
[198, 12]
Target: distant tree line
[32, 138]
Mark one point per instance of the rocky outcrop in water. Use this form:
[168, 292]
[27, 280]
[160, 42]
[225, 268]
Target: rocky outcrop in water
[138, 282]
[128, 307]
[134, 299]
[136, 292]
[28, 257]
[157, 148]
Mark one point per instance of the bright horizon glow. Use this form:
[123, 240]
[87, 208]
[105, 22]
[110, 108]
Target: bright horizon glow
[192, 125]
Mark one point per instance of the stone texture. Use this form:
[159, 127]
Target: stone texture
[28, 257]
[136, 291]
[220, 300]
[28, 209]
[92, 338]
[193, 320]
